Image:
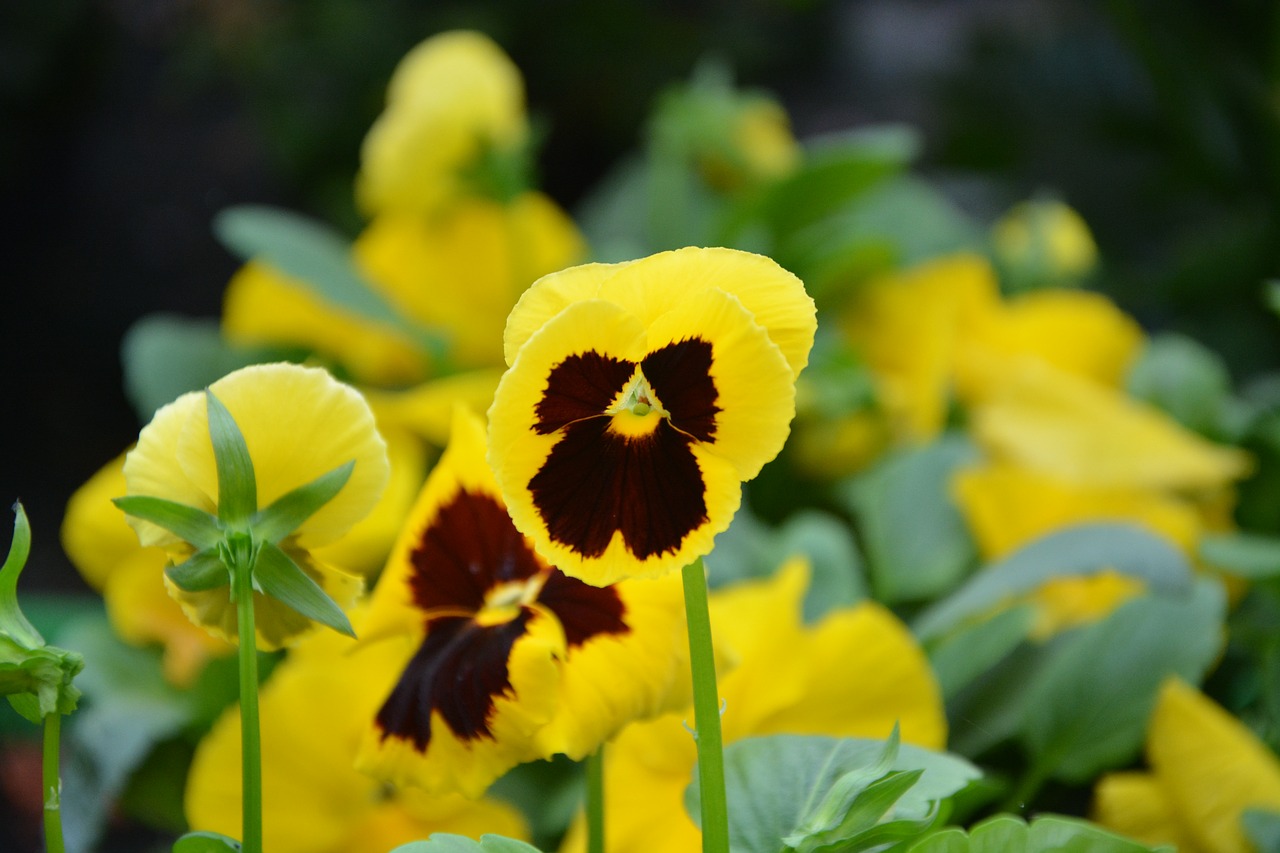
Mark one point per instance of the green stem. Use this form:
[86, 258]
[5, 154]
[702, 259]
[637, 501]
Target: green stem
[595, 801]
[52, 785]
[706, 710]
[250, 742]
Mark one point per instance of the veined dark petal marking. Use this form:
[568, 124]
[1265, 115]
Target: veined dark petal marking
[584, 611]
[469, 548]
[459, 670]
[595, 482]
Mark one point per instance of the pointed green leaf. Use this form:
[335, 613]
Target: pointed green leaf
[12, 622]
[278, 576]
[288, 511]
[237, 486]
[203, 570]
[186, 522]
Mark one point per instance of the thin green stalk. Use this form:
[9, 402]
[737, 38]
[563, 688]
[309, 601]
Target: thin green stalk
[250, 741]
[706, 711]
[595, 801]
[52, 785]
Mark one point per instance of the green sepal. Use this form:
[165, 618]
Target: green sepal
[202, 571]
[289, 511]
[237, 487]
[206, 842]
[186, 522]
[12, 622]
[37, 682]
[277, 575]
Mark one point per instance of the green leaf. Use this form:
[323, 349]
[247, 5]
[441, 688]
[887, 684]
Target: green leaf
[1262, 827]
[1190, 382]
[1086, 710]
[202, 571]
[186, 522]
[205, 842]
[1251, 556]
[999, 834]
[442, 842]
[278, 576]
[289, 511]
[1046, 834]
[237, 486]
[917, 544]
[319, 258]
[974, 649]
[165, 356]
[774, 782]
[12, 622]
[1076, 551]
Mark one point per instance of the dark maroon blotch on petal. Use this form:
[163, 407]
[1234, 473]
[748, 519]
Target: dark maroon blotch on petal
[581, 386]
[584, 611]
[680, 374]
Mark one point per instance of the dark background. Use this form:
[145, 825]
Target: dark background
[126, 124]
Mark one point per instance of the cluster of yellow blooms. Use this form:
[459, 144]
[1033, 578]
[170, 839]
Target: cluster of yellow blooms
[524, 604]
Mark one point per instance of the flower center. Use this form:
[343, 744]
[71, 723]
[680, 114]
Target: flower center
[502, 603]
[636, 411]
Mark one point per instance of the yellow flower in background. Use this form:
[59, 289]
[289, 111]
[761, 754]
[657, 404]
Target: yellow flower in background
[1046, 242]
[105, 550]
[1007, 506]
[314, 710]
[455, 274]
[639, 397]
[909, 326]
[753, 143]
[497, 658]
[1054, 422]
[855, 673]
[451, 99]
[298, 424]
[1206, 769]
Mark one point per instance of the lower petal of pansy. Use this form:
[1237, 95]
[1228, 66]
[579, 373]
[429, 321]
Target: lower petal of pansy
[466, 707]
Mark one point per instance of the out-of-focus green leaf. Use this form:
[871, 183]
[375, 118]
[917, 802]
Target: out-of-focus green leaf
[1045, 834]
[1087, 708]
[775, 782]
[549, 793]
[205, 842]
[166, 356]
[1262, 827]
[917, 544]
[972, 650]
[1191, 383]
[750, 550]
[441, 842]
[1082, 550]
[1250, 556]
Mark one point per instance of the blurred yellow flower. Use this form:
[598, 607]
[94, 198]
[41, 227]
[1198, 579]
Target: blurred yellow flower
[298, 424]
[314, 710]
[496, 657]
[1206, 769]
[452, 98]
[757, 144]
[855, 673]
[1046, 241]
[639, 397]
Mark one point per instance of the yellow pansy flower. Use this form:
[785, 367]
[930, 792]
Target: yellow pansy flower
[855, 673]
[1046, 240]
[639, 397]
[1207, 768]
[499, 658]
[313, 712]
[452, 98]
[298, 424]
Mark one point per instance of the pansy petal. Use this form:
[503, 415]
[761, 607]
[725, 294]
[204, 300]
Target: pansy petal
[264, 307]
[1211, 765]
[615, 672]
[149, 468]
[298, 423]
[413, 815]
[462, 740]
[1135, 805]
[95, 534]
[426, 410]
[1077, 430]
[775, 298]
[547, 297]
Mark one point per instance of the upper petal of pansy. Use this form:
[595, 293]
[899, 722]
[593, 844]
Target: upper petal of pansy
[652, 286]
[608, 490]
[298, 423]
